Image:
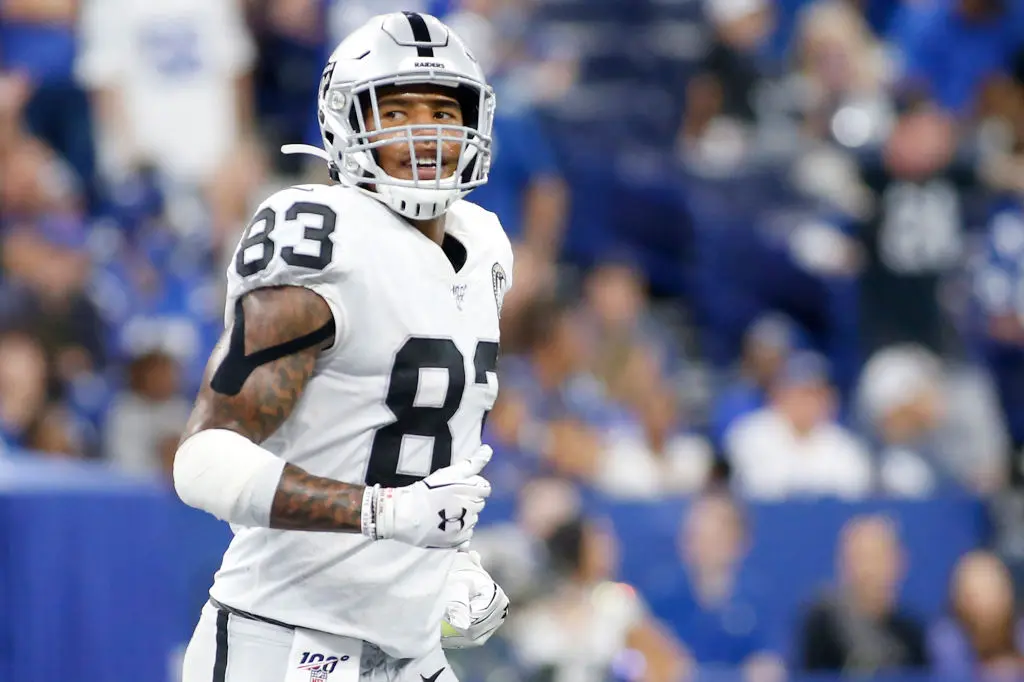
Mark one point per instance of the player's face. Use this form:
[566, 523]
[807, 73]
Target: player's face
[418, 105]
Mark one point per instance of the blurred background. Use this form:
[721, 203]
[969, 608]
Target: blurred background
[762, 406]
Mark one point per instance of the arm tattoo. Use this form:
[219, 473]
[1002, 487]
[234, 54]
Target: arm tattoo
[276, 316]
[307, 502]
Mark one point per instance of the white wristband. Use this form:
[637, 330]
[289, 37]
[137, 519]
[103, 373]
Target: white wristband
[369, 512]
[384, 511]
[227, 475]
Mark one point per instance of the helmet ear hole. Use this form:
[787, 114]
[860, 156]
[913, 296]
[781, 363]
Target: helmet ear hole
[469, 101]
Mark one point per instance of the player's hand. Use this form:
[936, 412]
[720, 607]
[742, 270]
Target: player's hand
[476, 605]
[439, 511]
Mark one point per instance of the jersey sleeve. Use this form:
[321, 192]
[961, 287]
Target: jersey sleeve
[295, 238]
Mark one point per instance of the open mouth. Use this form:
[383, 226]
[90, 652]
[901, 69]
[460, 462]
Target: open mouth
[426, 169]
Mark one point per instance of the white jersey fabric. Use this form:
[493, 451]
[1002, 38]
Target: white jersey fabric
[401, 392]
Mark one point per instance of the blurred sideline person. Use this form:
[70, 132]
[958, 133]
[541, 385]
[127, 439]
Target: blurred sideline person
[717, 612]
[983, 638]
[861, 629]
[588, 625]
[338, 427]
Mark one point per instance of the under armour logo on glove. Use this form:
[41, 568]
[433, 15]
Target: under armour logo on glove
[461, 518]
[404, 514]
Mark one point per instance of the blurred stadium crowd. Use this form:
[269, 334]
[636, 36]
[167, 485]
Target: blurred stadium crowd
[767, 250]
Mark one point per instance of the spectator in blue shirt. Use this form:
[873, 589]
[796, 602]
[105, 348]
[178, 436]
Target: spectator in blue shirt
[525, 189]
[999, 297]
[950, 48]
[559, 406]
[983, 638]
[38, 44]
[769, 341]
[716, 612]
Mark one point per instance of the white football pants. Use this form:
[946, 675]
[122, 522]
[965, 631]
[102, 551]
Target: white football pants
[230, 648]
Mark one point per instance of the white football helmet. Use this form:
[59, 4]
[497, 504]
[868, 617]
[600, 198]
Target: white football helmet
[402, 49]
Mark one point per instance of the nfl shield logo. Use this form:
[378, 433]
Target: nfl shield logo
[498, 281]
[318, 675]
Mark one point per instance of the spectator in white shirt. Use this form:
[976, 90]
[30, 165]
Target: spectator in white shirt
[650, 453]
[793, 447]
[166, 74]
[170, 85]
[936, 427]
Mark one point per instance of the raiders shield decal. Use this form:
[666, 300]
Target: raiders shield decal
[498, 281]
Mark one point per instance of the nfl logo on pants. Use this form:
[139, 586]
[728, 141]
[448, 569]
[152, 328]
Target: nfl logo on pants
[316, 675]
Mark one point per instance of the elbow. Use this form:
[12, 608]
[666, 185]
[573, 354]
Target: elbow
[225, 474]
[186, 470]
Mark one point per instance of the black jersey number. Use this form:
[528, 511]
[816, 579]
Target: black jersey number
[256, 249]
[432, 422]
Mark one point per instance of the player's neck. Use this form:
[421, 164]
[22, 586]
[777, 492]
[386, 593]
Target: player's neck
[432, 229]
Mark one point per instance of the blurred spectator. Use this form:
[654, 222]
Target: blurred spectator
[46, 272]
[291, 41]
[999, 295]
[525, 187]
[24, 381]
[618, 314]
[14, 91]
[171, 89]
[34, 182]
[950, 49]
[936, 430]
[837, 94]
[716, 131]
[793, 447]
[982, 640]
[561, 405]
[768, 343]
[160, 291]
[736, 60]
[515, 553]
[915, 237]
[37, 50]
[860, 629]
[649, 452]
[841, 75]
[716, 612]
[589, 627]
[54, 434]
[145, 422]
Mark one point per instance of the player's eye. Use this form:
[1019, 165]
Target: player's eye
[444, 115]
[391, 114]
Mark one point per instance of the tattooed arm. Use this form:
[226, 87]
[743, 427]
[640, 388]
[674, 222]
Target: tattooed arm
[266, 397]
[254, 379]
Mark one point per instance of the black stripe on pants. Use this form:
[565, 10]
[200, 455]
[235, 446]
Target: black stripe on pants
[220, 663]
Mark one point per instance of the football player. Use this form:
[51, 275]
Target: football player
[338, 428]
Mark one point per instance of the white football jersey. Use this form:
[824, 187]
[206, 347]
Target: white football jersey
[402, 392]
